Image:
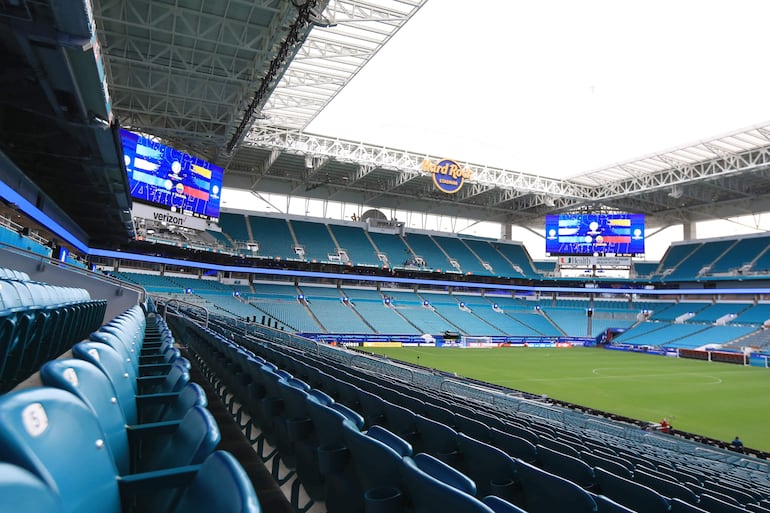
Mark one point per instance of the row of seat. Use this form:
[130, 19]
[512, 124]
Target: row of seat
[39, 322]
[13, 274]
[118, 425]
[342, 462]
[591, 475]
[593, 447]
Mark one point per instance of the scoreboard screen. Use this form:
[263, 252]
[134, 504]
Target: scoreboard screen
[594, 234]
[171, 179]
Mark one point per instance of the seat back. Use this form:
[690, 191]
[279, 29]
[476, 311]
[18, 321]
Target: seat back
[114, 366]
[429, 495]
[194, 440]
[544, 492]
[191, 395]
[716, 505]
[633, 495]
[94, 388]
[680, 506]
[514, 445]
[377, 463]
[597, 460]
[436, 439]
[566, 466]
[220, 485]
[491, 469]
[607, 505]
[23, 492]
[666, 487]
[51, 433]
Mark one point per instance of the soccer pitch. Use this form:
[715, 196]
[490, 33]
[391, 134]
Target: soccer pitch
[718, 400]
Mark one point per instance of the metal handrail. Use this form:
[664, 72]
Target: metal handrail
[168, 303]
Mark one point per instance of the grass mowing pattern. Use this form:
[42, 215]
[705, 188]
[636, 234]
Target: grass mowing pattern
[718, 400]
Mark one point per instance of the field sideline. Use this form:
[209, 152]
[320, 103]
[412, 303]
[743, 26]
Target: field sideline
[718, 400]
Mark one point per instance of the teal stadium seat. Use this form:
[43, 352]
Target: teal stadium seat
[430, 494]
[135, 448]
[22, 491]
[543, 492]
[633, 495]
[56, 437]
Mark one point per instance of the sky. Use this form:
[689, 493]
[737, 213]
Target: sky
[559, 88]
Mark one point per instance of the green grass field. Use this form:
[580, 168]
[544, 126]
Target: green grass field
[718, 400]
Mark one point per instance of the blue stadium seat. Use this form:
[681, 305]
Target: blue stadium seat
[333, 455]
[401, 421]
[666, 487]
[21, 491]
[491, 469]
[219, 485]
[543, 492]
[171, 444]
[436, 439]
[597, 460]
[499, 505]
[377, 458]
[680, 506]
[633, 495]
[514, 445]
[52, 434]
[716, 505]
[137, 408]
[472, 427]
[430, 494]
[606, 505]
[566, 466]
[306, 448]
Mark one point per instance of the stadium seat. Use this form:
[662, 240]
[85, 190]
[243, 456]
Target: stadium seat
[513, 445]
[138, 408]
[54, 435]
[472, 427]
[666, 487]
[566, 466]
[377, 458]
[135, 448]
[429, 494]
[715, 505]
[543, 492]
[400, 421]
[595, 460]
[499, 505]
[491, 469]
[21, 491]
[306, 448]
[633, 495]
[333, 455]
[436, 439]
[559, 447]
[219, 485]
[680, 506]
[606, 505]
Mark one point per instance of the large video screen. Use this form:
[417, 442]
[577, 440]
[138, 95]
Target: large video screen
[589, 234]
[171, 179]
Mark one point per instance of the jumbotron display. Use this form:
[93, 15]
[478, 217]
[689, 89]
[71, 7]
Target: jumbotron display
[171, 179]
[590, 234]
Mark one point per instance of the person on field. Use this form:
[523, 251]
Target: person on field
[736, 444]
[665, 427]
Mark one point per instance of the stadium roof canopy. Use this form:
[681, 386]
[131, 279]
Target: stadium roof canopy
[238, 81]
[198, 74]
